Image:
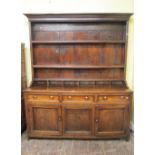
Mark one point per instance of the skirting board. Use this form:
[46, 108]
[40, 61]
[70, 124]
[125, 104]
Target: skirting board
[131, 126]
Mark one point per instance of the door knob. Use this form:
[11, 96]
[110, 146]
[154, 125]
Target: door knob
[105, 97]
[96, 120]
[59, 118]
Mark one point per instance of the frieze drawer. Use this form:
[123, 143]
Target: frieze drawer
[78, 98]
[113, 98]
[43, 97]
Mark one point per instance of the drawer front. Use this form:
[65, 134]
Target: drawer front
[113, 98]
[86, 98]
[43, 97]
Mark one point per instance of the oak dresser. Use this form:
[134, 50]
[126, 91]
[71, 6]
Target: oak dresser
[78, 87]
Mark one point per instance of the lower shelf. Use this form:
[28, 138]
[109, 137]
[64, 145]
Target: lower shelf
[77, 84]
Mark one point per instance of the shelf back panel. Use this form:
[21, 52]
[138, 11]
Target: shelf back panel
[108, 54]
[78, 31]
[79, 74]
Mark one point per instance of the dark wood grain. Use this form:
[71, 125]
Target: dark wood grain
[77, 119]
[81, 42]
[78, 17]
[110, 119]
[45, 119]
[78, 66]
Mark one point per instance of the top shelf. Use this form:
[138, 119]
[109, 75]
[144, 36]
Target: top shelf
[79, 42]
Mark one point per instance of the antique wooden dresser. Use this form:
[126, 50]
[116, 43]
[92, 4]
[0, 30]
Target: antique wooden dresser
[78, 85]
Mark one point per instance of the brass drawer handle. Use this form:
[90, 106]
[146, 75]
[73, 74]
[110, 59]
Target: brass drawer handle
[51, 97]
[96, 120]
[69, 97]
[105, 97]
[86, 97]
[35, 97]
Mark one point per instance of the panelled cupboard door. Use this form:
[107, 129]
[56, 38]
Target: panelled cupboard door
[111, 120]
[77, 119]
[45, 119]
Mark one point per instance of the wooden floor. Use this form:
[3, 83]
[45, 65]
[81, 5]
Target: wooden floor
[76, 147]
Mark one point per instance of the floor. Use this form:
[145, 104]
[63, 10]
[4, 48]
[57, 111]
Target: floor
[76, 147]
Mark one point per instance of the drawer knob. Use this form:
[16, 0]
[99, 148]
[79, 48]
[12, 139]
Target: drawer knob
[86, 97]
[35, 97]
[122, 97]
[126, 97]
[96, 120]
[69, 97]
[105, 97]
[59, 118]
[51, 97]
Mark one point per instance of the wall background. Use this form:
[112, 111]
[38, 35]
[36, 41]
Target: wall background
[80, 6]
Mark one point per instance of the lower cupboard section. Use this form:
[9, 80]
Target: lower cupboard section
[77, 120]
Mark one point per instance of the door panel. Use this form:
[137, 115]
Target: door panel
[45, 119]
[111, 119]
[77, 119]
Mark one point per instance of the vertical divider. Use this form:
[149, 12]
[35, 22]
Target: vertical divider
[63, 83]
[59, 51]
[47, 83]
[94, 83]
[78, 83]
[46, 58]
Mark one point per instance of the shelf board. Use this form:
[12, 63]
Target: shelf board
[78, 66]
[80, 42]
[68, 79]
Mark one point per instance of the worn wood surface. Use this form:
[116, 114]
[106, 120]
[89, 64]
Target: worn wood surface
[78, 76]
[78, 114]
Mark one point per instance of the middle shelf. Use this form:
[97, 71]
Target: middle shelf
[79, 42]
[78, 66]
